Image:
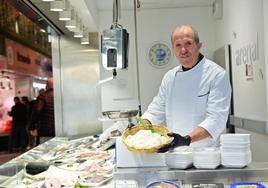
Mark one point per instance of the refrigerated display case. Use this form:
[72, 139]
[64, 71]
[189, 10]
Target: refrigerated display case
[60, 161]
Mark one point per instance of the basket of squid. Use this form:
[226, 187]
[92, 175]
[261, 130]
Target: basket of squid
[146, 138]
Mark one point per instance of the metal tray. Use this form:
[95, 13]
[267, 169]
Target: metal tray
[120, 114]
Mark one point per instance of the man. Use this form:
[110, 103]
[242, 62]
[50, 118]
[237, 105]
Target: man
[42, 121]
[19, 120]
[194, 97]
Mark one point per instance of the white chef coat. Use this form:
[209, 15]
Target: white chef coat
[188, 99]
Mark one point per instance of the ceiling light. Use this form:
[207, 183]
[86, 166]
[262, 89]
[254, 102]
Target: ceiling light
[57, 6]
[74, 25]
[85, 40]
[48, 0]
[70, 24]
[78, 34]
[65, 15]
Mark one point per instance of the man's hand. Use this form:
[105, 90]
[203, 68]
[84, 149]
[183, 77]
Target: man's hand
[178, 140]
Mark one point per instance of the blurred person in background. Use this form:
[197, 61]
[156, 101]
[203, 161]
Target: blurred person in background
[42, 120]
[26, 102]
[19, 120]
[32, 139]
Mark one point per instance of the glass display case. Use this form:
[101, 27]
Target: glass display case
[61, 162]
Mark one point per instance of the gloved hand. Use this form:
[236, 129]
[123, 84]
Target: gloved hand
[177, 141]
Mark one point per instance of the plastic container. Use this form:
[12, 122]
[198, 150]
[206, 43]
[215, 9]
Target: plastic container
[179, 165]
[235, 138]
[246, 184]
[206, 166]
[163, 183]
[235, 148]
[179, 158]
[235, 160]
[207, 158]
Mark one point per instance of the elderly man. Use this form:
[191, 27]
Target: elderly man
[194, 97]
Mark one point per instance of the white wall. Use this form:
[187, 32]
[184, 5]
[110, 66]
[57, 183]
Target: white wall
[153, 25]
[242, 20]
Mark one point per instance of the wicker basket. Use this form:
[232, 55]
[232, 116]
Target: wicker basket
[155, 128]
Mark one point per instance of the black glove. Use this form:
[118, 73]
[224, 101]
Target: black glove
[177, 141]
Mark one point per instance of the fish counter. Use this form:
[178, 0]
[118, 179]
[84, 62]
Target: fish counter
[61, 162]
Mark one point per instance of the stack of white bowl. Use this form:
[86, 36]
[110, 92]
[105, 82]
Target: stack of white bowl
[207, 158]
[235, 150]
[180, 158]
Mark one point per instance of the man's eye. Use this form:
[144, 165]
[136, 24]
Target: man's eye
[188, 43]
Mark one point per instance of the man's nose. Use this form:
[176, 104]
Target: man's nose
[183, 49]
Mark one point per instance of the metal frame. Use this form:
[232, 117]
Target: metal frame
[251, 125]
[256, 171]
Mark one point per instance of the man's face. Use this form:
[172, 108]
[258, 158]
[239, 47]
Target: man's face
[185, 48]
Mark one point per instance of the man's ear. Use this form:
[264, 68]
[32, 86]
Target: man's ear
[199, 45]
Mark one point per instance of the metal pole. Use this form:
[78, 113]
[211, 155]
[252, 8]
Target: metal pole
[137, 57]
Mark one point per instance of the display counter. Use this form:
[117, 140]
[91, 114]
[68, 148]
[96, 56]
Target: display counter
[60, 161]
[72, 161]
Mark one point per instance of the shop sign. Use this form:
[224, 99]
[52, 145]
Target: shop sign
[246, 56]
[248, 53]
[23, 59]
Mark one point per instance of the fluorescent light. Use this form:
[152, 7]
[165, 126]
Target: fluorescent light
[85, 40]
[39, 85]
[78, 34]
[65, 15]
[57, 6]
[70, 24]
[48, 0]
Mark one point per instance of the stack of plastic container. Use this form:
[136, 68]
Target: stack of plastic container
[180, 158]
[235, 150]
[207, 158]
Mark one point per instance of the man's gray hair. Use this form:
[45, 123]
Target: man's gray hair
[196, 36]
